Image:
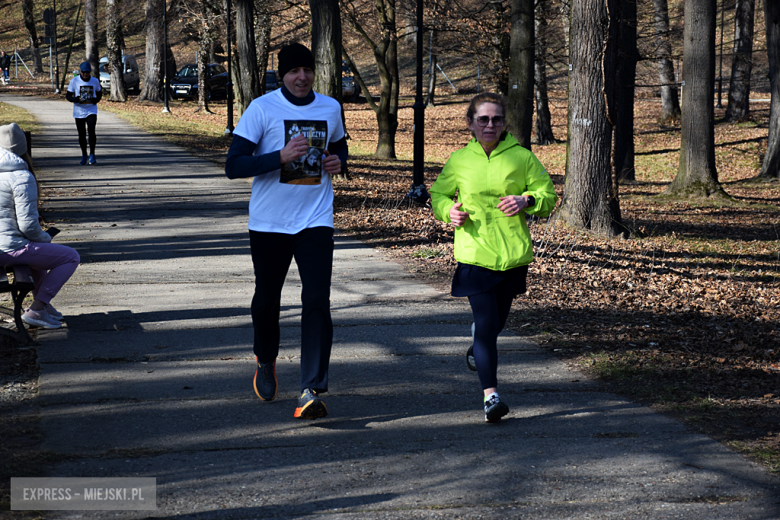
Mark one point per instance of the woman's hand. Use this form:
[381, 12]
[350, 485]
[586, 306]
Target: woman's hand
[295, 149]
[457, 216]
[512, 204]
[331, 163]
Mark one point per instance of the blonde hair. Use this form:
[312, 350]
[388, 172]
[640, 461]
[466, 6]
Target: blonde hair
[26, 158]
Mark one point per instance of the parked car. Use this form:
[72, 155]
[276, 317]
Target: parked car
[348, 87]
[271, 80]
[185, 84]
[132, 79]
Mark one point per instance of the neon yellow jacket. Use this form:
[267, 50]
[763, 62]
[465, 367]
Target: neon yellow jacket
[489, 238]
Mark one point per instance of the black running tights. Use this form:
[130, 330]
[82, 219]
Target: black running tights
[490, 310]
[83, 126]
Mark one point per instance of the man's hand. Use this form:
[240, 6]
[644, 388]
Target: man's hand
[513, 204]
[457, 216]
[331, 163]
[295, 149]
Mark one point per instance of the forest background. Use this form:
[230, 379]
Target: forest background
[679, 309]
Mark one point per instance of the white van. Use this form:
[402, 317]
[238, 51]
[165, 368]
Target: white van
[132, 79]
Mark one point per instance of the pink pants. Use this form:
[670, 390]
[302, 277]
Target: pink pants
[51, 265]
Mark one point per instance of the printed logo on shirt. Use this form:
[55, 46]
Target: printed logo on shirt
[307, 169]
[86, 93]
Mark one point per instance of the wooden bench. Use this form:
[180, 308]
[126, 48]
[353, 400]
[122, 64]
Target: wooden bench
[19, 287]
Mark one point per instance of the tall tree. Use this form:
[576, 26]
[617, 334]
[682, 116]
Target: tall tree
[544, 132]
[205, 34]
[326, 46]
[28, 8]
[565, 8]
[247, 86]
[670, 104]
[520, 95]
[742, 63]
[628, 56]
[590, 199]
[697, 175]
[263, 37]
[155, 52]
[91, 35]
[114, 44]
[385, 50]
[433, 60]
[771, 166]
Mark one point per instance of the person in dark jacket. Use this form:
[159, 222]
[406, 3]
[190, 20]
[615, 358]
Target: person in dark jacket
[5, 64]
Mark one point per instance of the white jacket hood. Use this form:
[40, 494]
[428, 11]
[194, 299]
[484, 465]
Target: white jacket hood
[18, 204]
[10, 162]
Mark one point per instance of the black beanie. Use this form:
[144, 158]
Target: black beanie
[293, 56]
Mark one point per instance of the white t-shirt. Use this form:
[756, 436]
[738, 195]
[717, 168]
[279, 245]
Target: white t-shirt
[300, 195]
[84, 90]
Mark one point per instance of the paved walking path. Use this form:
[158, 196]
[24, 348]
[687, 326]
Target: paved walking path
[152, 376]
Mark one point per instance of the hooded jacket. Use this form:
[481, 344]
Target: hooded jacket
[489, 238]
[18, 205]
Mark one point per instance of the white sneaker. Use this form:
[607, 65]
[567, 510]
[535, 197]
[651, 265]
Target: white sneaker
[40, 319]
[54, 313]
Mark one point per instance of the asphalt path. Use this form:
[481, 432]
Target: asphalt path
[152, 375]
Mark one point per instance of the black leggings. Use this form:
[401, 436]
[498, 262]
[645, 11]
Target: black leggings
[272, 253]
[84, 125]
[490, 310]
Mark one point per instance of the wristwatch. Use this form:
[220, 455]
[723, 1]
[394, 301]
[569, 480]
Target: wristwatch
[531, 201]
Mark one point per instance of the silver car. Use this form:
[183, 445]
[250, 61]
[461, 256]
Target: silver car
[132, 79]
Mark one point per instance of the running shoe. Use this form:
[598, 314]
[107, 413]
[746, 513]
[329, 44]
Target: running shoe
[310, 406]
[84, 160]
[495, 409]
[92, 159]
[470, 359]
[265, 382]
[40, 319]
[470, 353]
[54, 313]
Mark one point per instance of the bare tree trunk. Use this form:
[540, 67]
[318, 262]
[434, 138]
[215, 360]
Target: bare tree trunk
[241, 103]
[247, 84]
[697, 175]
[91, 36]
[590, 198]
[670, 103]
[410, 24]
[114, 43]
[520, 98]
[326, 46]
[263, 37]
[153, 78]
[205, 34]
[544, 132]
[432, 62]
[388, 143]
[566, 14]
[628, 55]
[28, 7]
[771, 166]
[742, 64]
[203, 86]
[386, 57]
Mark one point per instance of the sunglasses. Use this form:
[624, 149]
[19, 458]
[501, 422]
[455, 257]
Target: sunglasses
[483, 121]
